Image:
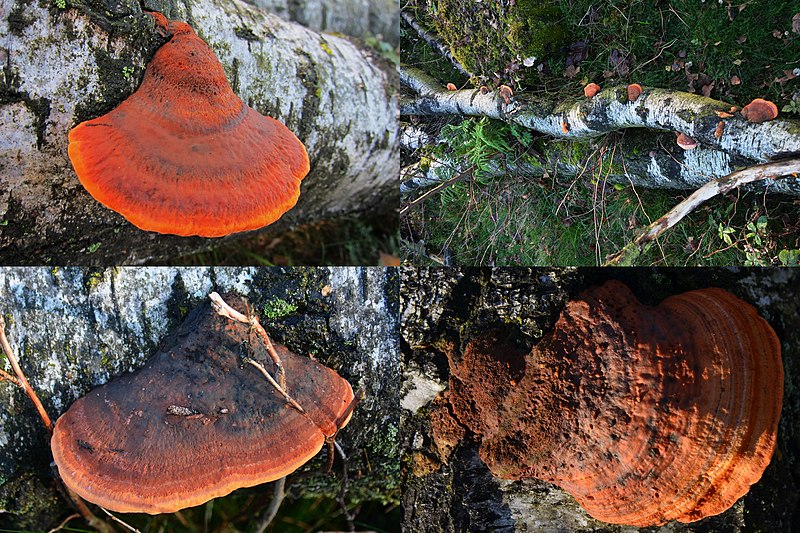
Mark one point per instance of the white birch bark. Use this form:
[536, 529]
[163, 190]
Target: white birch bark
[610, 110]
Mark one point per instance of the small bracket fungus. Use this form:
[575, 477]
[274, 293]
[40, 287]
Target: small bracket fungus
[183, 154]
[199, 420]
[643, 414]
[634, 90]
[685, 142]
[590, 90]
[760, 110]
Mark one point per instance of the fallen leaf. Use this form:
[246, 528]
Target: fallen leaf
[735, 80]
[777, 34]
[706, 89]
[571, 71]
[741, 39]
[796, 23]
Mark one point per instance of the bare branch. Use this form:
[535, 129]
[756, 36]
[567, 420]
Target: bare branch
[633, 250]
[272, 510]
[22, 380]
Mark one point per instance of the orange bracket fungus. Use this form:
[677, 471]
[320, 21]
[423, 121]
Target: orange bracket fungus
[183, 154]
[760, 110]
[590, 90]
[643, 414]
[634, 90]
[200, 420]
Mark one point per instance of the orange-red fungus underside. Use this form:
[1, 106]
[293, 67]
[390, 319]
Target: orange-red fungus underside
[643, 414]
[184, 155]
[195, 422]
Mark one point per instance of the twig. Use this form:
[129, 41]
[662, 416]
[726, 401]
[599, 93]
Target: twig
[466, 174]
[64, 522]
[124, 524]
[634, 249]
[278, 495]
[283, 392]
[22, 380]
[223, 309]
[343, 490]
[8, 377]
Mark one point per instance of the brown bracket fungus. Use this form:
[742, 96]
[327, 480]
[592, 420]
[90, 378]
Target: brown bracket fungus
[760, 110]
[197, 421]
[183, 154]
[685, 142]
[643, 414]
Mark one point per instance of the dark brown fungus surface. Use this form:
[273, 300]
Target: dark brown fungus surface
[184, 155]
[196, 422]
[643, 414]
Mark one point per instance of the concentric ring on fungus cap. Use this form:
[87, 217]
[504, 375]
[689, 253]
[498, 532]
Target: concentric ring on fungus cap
[183, 154]
[195, 423]
[643, 414]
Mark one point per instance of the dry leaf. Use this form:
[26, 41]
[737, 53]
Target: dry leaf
[735, 80]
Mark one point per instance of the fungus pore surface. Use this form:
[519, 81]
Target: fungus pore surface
[196, 422]
[183, 154]
[643, 414]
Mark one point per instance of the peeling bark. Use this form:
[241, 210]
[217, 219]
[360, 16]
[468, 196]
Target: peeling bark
[76, 328]
[63, 66]
[610, 110]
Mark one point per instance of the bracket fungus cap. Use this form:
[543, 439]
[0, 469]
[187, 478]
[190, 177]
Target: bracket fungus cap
[195, 423]
[685, 142]
[590, 90]
[643, 414]
[183, 154]
[760, 110]
[634, 91]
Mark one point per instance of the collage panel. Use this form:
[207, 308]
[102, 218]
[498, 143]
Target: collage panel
[617, 133]
[198, 132]
[169, 388]
[599, 399]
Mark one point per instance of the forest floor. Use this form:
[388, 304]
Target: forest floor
[730, 51]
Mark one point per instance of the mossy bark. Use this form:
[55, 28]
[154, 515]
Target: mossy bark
[444, 308]
[64, 65]
[75, 328]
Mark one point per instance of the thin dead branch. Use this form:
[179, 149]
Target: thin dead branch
[785, 168]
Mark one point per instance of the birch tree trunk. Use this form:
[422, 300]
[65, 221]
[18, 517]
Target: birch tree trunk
[442, 307]
[62, 66]
[76, 328]
[357, 18]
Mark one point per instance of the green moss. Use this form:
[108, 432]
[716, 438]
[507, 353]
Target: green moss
[487, 37]
[278, 308]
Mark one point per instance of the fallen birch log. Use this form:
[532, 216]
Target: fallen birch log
[609, 110]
